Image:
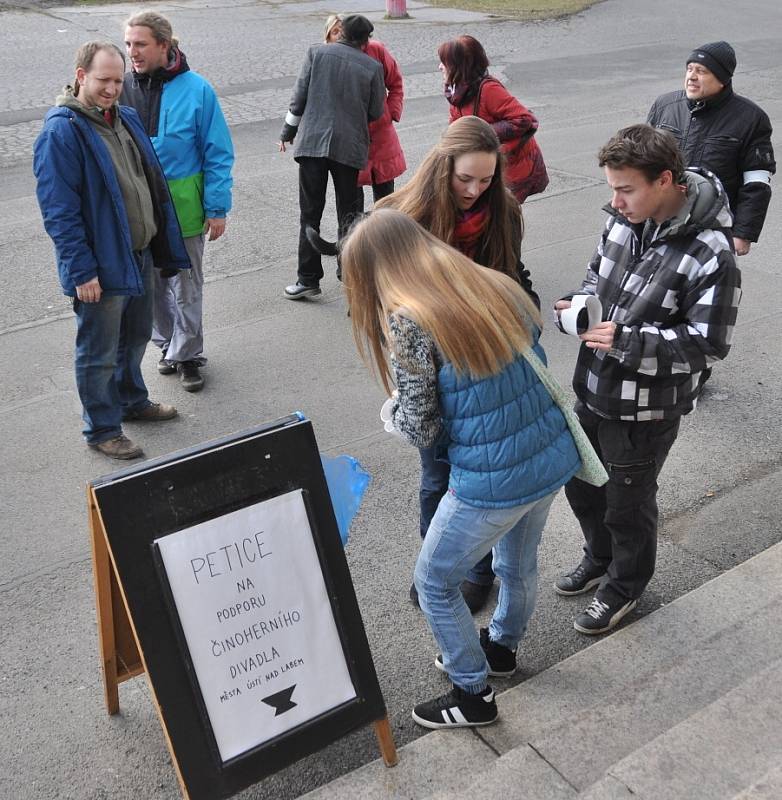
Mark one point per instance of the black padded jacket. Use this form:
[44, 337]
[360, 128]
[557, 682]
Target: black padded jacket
[731, 136]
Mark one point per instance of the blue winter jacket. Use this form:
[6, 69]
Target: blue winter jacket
[83, 210]
[191, 138]
[507, 442]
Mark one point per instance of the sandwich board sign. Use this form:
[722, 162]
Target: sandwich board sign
[219, 572]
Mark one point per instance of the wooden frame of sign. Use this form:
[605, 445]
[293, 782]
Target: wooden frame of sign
[219, 572]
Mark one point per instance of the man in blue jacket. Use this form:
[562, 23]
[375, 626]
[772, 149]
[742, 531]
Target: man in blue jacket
[105, 205]
[181, 114]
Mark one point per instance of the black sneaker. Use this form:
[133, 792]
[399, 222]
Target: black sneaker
[475, 595]
[457, 709]
[165, 367]
[414, 596]
[599, 616]
[502, 661]
[190, 376]
[583, 578]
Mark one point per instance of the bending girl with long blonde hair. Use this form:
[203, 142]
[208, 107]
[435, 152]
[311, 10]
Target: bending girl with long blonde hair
[451, 336]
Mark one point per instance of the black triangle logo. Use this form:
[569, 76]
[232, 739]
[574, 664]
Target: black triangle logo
[281, 701]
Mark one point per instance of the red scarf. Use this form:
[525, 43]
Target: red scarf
[469, 229]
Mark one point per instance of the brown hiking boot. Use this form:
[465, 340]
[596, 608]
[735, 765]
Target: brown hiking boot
[119, 447]
[154, 412]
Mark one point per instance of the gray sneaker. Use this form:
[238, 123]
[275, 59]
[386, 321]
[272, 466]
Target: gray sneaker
[601, 616]
[583, 578]
[298, 291]
[119, 447]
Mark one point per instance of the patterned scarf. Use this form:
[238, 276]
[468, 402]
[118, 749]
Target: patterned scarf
[469, 229]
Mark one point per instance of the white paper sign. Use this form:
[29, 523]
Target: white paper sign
[252, 602]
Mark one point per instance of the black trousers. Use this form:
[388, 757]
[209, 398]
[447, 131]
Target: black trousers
[619, 520]
[378, 190]
[313, 180]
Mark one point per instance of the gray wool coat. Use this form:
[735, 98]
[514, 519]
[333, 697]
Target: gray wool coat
[339, 91]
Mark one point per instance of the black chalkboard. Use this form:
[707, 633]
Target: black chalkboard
[200, 488]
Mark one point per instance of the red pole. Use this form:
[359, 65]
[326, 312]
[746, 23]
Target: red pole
[396, 9]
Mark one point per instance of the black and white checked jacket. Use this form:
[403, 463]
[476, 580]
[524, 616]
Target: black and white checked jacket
[673, 292]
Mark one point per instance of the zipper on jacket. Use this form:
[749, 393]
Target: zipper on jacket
[636, 257]
[135, 186]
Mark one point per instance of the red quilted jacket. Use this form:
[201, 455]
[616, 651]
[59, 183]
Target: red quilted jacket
[525, 170]
[386, 159]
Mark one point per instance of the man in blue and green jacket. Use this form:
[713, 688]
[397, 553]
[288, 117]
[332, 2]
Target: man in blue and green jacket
[105, 204]
[182, 116]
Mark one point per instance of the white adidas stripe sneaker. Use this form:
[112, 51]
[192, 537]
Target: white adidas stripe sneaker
[457, 709]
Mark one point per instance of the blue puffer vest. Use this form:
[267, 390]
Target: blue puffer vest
[508, 444]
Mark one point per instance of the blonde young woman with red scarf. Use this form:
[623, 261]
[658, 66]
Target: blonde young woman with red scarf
[475, 213]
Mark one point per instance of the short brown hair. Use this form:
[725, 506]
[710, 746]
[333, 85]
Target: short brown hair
[85, 55]
[157, 23]
[644, 148]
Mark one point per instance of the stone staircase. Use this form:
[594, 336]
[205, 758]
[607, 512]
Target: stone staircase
[684, 704]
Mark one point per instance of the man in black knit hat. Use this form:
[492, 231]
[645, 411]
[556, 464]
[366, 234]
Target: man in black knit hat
[723, 132]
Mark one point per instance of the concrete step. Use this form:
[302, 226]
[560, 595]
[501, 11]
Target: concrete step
[562, 730]
[713, 755]
[769, 787]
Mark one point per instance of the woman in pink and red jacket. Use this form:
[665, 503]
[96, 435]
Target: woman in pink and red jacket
[386, 159]
[470, 90]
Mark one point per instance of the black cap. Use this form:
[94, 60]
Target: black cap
[356, 28]
[718, 57]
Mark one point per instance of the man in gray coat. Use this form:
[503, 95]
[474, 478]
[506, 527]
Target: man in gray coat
[339, 91]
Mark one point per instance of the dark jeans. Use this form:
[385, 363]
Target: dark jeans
[434, 484]
[111, 337]
[379, 190]
[619, 520]
[313, 180]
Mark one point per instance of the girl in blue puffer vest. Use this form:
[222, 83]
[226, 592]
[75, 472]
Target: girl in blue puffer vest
[451, 335]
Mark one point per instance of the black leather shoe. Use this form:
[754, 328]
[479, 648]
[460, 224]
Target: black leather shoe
[298, 291]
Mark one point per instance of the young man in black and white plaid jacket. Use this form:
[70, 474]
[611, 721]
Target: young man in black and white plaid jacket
[667, 279]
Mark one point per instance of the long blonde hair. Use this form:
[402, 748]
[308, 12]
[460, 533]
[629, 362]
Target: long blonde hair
[479, 318]
[331, 21]
[428, 198]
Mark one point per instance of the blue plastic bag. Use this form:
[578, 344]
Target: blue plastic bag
[347, 481]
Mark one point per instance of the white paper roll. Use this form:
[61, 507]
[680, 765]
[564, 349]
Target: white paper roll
[584, 313]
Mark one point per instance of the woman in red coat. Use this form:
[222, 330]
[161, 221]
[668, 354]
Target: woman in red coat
[386, 159]
[470, 90]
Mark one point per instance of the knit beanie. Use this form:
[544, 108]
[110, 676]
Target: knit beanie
[356, 28]
[718, 57]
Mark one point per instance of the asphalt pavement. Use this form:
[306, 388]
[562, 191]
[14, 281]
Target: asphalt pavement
[584, 77]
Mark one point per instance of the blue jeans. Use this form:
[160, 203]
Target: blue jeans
[458, 537]
[111, 337]
[434, 484]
